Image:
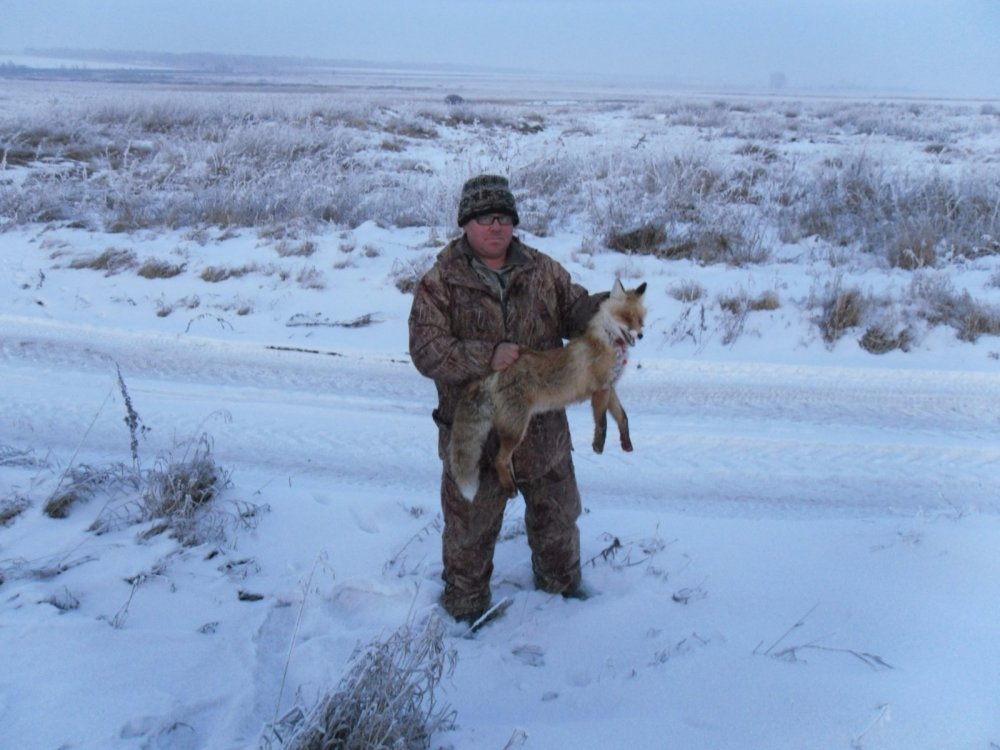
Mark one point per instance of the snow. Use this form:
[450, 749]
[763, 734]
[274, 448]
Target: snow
[800, 553]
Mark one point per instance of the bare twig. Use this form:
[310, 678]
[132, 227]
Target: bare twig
[872, 660]
[608, 553]
[790, 653]
[882, 714]
[295, 635]
[798, 624]
[132, 419]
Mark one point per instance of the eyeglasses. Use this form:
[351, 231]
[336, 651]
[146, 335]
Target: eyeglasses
[504, 220]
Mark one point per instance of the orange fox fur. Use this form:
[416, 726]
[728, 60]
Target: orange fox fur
[539, 381]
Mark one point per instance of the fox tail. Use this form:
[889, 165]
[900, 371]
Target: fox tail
[472, 425]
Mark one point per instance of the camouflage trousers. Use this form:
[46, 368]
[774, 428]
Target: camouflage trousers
[552, 506]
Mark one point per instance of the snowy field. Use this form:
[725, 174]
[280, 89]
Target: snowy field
[802, 551]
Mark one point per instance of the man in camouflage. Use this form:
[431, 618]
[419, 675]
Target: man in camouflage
[487, 295]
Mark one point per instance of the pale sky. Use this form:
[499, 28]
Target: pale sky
[945, 47]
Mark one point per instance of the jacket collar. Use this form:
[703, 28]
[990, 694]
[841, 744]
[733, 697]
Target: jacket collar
[516, 254]
[457, 256]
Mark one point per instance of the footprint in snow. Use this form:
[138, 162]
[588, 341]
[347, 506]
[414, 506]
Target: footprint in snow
[533, 656]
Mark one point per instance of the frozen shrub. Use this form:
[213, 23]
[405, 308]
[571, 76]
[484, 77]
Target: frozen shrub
[215, 274]
[550, 189]
[406, 274]
[882, 337]
[303, 249]
[881, 209]
[111, 261]
[80, 483]
[687, 291]
[386, 701]
[840, 310]
[757, 151]
[912, 251]
[726, 239]
[410, 128]
[743, 302]
[644, 240]
[940, 304]
[11, 507]
[737, 307]
[177, 496]
[180, 487]
[159, 269]
[394, 144]
[311, 278]
[731, 238]
[11, 456]
[972, 319]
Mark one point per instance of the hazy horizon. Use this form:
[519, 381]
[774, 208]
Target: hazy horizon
[918, 46]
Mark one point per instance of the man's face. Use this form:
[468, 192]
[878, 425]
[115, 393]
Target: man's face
[490, 241]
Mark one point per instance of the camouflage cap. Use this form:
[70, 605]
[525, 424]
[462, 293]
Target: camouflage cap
[486, 194]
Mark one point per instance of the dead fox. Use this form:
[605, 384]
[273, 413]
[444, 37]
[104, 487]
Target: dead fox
[539, 381]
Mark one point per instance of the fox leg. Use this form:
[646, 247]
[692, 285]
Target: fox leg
[621, 418]
[599, 403]
[505, 469]
[511, 435]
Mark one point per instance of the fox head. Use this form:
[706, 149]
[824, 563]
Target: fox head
[623, 314]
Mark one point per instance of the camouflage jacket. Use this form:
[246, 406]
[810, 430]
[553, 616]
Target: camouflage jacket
[457, 319]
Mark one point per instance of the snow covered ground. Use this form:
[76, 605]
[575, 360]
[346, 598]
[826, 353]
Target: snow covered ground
[802, 551]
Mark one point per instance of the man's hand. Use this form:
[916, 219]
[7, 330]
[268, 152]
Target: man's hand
[504, 355]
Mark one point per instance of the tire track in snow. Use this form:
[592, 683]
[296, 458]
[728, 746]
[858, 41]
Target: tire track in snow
[711, 437]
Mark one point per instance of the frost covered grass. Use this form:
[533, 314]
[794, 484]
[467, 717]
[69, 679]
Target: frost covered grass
[861, 187]
[715, 180]
[181, 494]
[387, 699]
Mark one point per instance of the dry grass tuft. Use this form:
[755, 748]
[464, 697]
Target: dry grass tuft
[159, 269]
[912, 251]
[176, 496]
[840, 309]
[976, 320]
[406, 274]
[742, 303]
[179, 489]
[215, 274]
[687, 291]
[387, 700]
[941, 304]
[11, 456]
[11, 507]
[81, 483]
[881, 338]
[301, 250]
[111, 261]
[646, 239]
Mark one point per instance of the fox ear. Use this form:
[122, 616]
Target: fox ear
[617, 291]
[641, 289]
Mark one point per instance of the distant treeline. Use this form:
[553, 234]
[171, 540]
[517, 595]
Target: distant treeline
[80, 73]
[194, 61]
[209, 62]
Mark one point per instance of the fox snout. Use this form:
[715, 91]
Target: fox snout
[631, 336]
